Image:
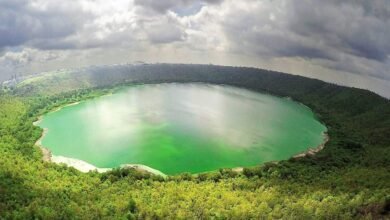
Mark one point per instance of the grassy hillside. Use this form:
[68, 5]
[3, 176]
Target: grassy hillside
[347, 180]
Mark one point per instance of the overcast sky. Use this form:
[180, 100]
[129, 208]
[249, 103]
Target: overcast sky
[347, 42]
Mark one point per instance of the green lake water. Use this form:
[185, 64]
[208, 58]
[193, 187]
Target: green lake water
[182, 128]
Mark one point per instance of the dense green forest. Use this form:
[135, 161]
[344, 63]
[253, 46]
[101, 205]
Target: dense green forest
[348, 179]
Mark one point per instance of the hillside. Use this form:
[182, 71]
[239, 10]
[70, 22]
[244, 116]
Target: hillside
[346, 180]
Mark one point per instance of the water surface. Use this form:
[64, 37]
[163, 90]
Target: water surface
[182, 128]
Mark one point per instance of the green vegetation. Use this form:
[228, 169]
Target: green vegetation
[349, 179]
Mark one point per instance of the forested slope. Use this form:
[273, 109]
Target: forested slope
[348, 179]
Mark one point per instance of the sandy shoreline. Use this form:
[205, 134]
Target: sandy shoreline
[47, 155]
[46, 152]
[64, 106]
[313, 151]
[308, 152]
[85, 167]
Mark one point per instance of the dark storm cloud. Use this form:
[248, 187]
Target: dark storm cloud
[21, 22]
[10, 19]
[355, 33]
[360, 28]
[333, 31]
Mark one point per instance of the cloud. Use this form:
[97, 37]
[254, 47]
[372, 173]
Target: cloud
[165, 30]
[23, 22]
[360, 28]
[340, 36]
[331, 33]
[163, 6]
